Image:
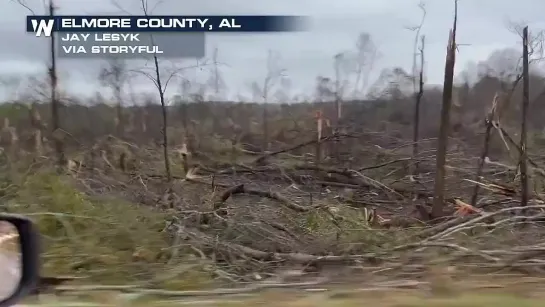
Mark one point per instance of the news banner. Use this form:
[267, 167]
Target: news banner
[142, 36]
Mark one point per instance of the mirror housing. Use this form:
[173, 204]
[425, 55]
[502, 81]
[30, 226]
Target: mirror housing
[30, 253]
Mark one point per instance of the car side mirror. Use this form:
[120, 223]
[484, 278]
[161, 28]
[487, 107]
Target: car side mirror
[19, 258]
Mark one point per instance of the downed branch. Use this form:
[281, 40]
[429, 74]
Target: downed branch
[296, 258]
[242, 189]
[261, 160]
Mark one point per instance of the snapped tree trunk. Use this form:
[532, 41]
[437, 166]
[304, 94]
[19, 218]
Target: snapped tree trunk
[416, 127]
[55, 105]
[442, 143]
[525, 104]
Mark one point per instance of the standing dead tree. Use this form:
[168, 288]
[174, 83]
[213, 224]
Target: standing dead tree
[9, 140]
[55, 103]
[164, 112]
[274, 74]
[216, 74]
[115, 76]
[161, 86]
[418, 101]
[418, 29]
[38, 126]
[216, 80]
[185, 88]
[338, 59]
[442, 143]
[325, 92]
[363, 60]
[321, 121]
[525, 104]
[499, 103]
[420, 82]
[265, 90]
[53, 83]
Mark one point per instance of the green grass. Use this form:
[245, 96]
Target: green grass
[105, 240]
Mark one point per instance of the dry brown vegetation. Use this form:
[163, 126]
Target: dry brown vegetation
[287, 194]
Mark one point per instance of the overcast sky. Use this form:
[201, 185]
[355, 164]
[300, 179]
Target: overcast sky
[334, 28]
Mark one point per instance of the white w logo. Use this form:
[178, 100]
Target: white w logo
[44, 26]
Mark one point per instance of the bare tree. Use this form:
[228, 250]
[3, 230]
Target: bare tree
[273, 76]
[442, 143]
[324, 89]
[392, 84]
[361, 63]
[53, 82]
[161, 86]
[417, 29]
[536, 45]
[216, 79]
[115, 76]
[55, 103]
[505, 66]
[338, 60]
[525, 104]
[185, 96]
[419, 95]
[161, 90]
[414, 73]
[499, 103]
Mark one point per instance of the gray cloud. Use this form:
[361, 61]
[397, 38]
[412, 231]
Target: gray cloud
[335, 27]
